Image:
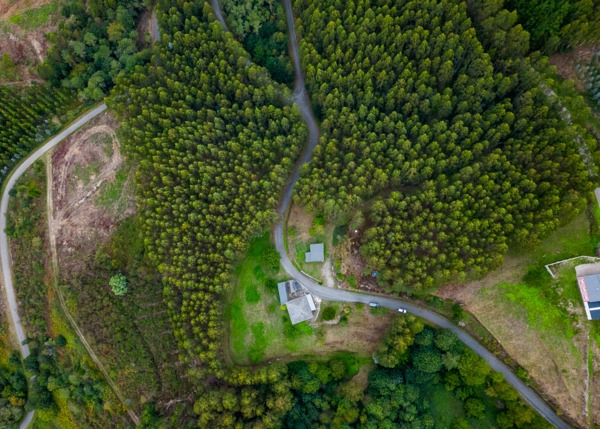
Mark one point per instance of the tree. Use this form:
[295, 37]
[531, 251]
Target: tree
[118, 283]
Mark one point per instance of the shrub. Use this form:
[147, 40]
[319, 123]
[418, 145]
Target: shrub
[329, 313]
[118, 283]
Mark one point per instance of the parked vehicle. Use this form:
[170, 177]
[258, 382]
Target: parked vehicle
[373, 304]
[402, 310]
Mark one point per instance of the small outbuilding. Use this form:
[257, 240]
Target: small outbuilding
[316, 254]
[287, 290]
[588, 279]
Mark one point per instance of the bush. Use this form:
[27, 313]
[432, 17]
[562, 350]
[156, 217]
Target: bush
[329, 313]
[271, 285]
[118, 283]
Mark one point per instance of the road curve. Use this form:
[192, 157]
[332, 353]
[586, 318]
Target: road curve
[331, 294]
[4, 254]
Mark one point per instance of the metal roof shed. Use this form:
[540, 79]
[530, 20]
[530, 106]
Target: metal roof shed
[283, 295]
[316, 254]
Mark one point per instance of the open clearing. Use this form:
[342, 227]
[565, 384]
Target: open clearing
[538, 320]
[260, 330]
[23, 27]
[92, 192]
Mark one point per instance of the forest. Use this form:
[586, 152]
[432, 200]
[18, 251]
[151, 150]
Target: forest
[215, 140]
[95, 41]
[261, 27]
[558, 24]
[425, 377]
[28, 116]
[456, 154]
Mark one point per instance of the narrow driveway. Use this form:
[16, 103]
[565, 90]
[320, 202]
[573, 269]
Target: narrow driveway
[330, 294]
[4, 254]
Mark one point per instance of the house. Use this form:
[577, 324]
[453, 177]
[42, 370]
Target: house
[588, 279]
[301, 308]
[316, 254]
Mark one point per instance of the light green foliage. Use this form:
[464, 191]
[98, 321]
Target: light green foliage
[393, 348]
[8, 69]
[118, 283]
[246, 16]
[34, 18]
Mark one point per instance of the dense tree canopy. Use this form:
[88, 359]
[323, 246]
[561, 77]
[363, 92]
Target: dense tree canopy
[308, 395]
[96, 40]
[262, 26]
[457, 155]
[215, 141]
[26, 120]
[556, 24]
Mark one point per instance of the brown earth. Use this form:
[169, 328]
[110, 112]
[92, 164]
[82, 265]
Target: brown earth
[362, 335]
[27, 49]
[82, 167]
[565, 63]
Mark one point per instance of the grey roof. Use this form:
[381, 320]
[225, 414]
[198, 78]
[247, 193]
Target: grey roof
[283, 296]
[299, 310]
[316, 254]
[587, 269]
[592, 287]
[311, 303]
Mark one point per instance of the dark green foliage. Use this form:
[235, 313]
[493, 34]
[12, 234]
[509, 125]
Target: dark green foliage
[26, 120]
[557, 24]
[457, 154]
[270, 259]
[96, 41]
[261, 26]
[79, 382]
[271, 285]
[322, 394]
[215, 142]
[328, 313]
[13, 393]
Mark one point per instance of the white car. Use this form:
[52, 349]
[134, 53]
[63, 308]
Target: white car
[401, 310]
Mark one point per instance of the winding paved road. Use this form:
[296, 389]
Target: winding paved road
[4, 254]
[331, 294]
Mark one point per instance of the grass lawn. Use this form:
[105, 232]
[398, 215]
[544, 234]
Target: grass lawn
[259, 328]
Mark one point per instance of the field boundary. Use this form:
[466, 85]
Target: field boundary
[589, 258]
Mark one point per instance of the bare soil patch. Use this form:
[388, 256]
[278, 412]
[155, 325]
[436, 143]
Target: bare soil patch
[565, 63]
[27, 49]
[84, 166]
[362, 334]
